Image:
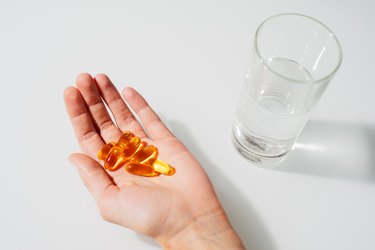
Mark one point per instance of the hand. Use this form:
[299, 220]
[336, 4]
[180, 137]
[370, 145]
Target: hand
[179, 211]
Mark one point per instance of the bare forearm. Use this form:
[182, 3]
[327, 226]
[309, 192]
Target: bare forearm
[225, 240]
[211, 232]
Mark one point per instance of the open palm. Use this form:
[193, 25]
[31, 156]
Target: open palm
[160, 207]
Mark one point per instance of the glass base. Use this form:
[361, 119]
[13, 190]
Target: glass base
[239, 142]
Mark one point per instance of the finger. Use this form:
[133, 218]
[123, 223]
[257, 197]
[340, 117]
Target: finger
[86, 134]
[150, 120]
[95, 178]
[106, 128]
[125, 119]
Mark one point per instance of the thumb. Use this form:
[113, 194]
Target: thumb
[92, 175]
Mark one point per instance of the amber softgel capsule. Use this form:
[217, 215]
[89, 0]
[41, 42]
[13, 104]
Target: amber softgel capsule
[137, 157]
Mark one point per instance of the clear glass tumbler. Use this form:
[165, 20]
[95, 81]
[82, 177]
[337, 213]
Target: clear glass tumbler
[292, 61]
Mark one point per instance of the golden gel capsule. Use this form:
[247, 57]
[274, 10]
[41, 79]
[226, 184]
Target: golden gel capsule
[147, 155]
[103, 153]
[141, 169]
[137, 157]
[115, 159]
[163, 167]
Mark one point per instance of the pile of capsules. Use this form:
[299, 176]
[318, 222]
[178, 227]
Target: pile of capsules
[137, 157]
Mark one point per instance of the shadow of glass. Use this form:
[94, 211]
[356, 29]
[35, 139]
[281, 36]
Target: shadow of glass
[331, 149]
[240, 211]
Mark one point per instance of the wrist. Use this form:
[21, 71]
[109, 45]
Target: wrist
[212, 231]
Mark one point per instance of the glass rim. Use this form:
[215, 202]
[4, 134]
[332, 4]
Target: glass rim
[262, 60]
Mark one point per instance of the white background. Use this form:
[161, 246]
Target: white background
[188, 58]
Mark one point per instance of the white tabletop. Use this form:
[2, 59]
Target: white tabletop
[188, 58]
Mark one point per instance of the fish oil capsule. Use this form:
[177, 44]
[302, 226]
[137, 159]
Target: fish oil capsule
[146, 155]
[163, 167]
[115, 159]
[141, 169]
[137, 157]
[131, 143]
[103, 153]
[126, 137]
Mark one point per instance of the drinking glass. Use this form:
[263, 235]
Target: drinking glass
[293, 59]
